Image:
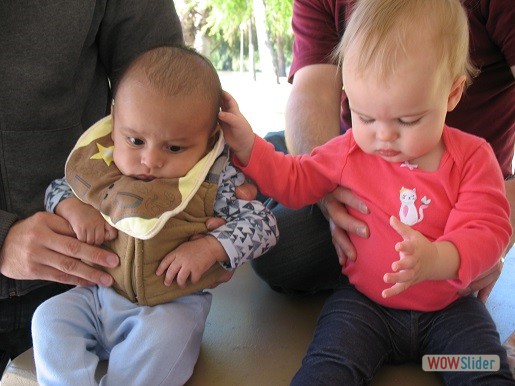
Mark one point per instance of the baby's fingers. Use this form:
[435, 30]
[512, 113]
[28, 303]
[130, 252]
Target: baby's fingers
[164, 264]
[405, 247]
[395, 290]
[110, 231]
[405, 263]
[402, 229]
[403, 276]
[228, 102]
[182, 276]
[171, 274]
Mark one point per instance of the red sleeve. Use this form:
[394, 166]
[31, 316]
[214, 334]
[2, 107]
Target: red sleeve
[317, 26]
[296, 181]
[479, 224]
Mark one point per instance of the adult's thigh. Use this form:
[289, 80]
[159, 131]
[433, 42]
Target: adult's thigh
[304, 259]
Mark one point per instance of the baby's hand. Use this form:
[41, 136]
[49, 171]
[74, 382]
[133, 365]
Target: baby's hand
[191, 260]
[414, 264]
[87, 222]
[237, 131]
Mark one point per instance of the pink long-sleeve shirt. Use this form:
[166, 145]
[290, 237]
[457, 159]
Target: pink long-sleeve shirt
[462, 202]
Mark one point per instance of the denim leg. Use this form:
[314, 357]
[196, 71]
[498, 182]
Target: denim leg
[351, 341]
[304, 260]
[465, 327]
[15, 319]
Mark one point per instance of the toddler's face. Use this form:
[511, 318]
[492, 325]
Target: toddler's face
[156, 135]
[401, 118]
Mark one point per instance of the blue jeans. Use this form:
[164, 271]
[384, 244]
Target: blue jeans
[355, 336]
[304, 260]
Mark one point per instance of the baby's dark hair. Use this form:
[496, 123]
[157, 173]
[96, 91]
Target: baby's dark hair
[178, 71]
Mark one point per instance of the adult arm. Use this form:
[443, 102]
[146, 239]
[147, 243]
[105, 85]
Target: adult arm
[312, 118]
[43, 246]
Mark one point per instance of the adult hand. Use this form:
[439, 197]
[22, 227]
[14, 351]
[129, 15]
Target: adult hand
[341, 222]
[44, 247]
[484, 283]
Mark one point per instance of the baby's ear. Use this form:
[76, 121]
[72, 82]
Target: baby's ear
[456, 92]
[214, 136]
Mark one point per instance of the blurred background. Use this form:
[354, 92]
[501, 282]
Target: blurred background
[250, 44]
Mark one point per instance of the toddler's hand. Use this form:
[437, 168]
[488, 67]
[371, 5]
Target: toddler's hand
[414, 262]
[237, 131]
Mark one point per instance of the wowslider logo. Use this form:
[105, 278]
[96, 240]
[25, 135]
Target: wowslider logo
[460, 362]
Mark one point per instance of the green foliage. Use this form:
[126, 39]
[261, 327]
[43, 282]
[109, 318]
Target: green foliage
[224, 20]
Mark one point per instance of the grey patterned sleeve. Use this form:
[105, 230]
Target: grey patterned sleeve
[57, 191]
[251, 229]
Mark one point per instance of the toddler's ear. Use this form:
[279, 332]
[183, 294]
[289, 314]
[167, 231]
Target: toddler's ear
[456, 92]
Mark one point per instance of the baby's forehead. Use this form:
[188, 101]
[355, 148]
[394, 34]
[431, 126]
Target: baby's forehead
[390, 58]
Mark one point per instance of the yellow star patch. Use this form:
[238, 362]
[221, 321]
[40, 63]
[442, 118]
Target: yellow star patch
[105, 153]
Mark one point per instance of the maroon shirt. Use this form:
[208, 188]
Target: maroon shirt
[487, 108]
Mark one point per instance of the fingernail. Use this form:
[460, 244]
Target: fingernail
[106, 280]
[363, 208]
[111, 260]
[362, 232]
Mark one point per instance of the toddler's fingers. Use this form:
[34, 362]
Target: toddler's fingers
[401, 228]
[395, 290]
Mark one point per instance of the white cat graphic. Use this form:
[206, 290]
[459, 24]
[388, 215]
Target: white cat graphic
[408, 212]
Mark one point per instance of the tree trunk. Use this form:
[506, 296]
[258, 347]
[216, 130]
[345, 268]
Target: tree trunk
[252, 67]
[281, 60]
[265, 49]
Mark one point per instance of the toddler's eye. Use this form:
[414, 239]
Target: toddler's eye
[135, 141]
[175, 149]
[409, 123]
[366, 121]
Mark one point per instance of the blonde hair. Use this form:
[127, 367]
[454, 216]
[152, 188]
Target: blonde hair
[382, 30]
[178, 71]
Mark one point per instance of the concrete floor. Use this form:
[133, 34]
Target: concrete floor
[501, 302]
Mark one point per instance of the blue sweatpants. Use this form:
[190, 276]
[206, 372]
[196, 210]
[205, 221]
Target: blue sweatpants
[156, 345]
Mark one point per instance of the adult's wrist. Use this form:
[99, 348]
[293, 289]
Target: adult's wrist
[6, 222]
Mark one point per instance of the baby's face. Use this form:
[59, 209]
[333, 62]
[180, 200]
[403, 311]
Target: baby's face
[156, 135]
[401, 118]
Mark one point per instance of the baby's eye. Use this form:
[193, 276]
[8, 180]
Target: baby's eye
[135, 141]
[409, 123]
[366, 120]
[175, 149]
